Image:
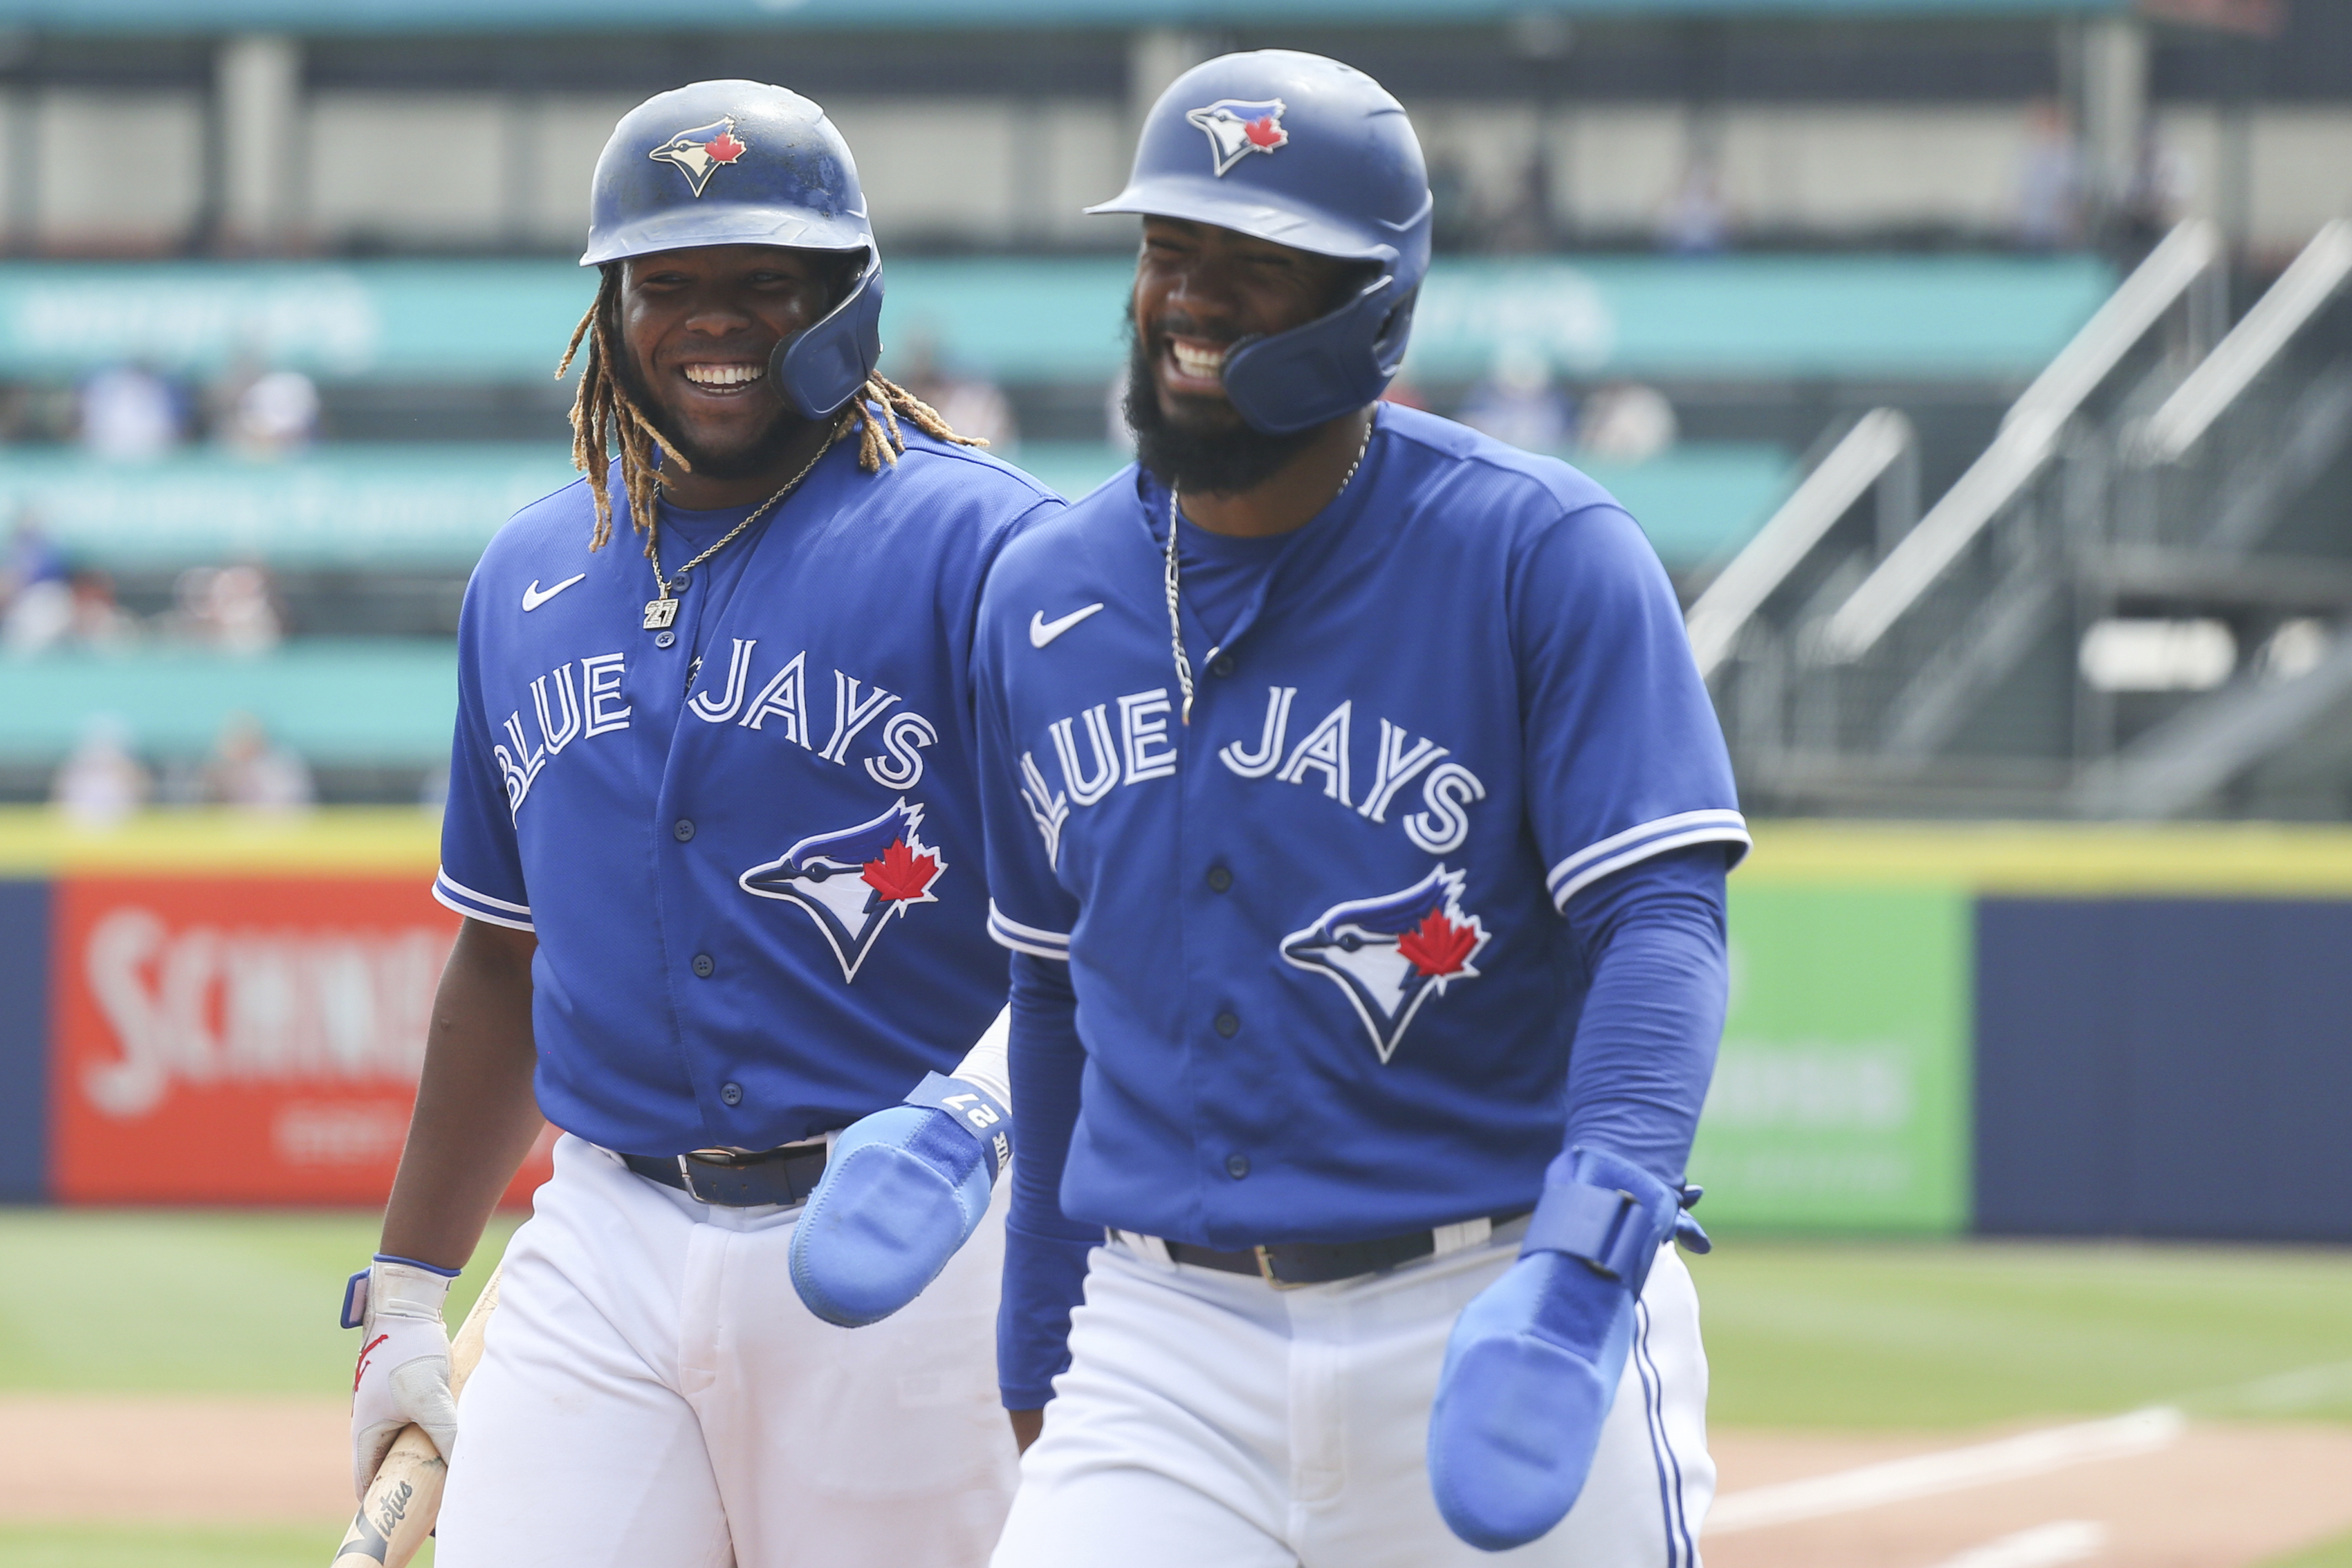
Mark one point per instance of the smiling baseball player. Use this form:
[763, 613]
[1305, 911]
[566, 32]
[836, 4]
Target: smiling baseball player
[1360, 823]
[713, 826]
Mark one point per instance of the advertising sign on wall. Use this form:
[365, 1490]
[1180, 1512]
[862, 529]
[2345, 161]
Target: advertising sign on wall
[241, 1040]
[1840, 1097]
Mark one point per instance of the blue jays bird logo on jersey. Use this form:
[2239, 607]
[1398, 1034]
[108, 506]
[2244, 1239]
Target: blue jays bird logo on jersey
[1389, 955]
[853, 880]
[1236, 128]
[703, 152]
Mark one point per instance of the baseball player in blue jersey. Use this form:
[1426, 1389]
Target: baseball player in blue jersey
[1359, 823]
[713, 825]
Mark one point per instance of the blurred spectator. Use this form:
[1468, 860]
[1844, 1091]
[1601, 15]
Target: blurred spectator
[1454, 215]
[1517, 402]
[227, 607]
[250, 773]
[61, 612]
[130, 414]
[98, 621]
[1525, 222]
[32, 555]
[2048, 180]
[972, 407]
[1696, 220]
[39, 618]
[275, 414]
[101, 782]
[1626, 422]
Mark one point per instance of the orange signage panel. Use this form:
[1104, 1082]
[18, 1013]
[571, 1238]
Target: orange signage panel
[242, 1040]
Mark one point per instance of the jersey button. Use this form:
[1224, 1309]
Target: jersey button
[1237, 1165]
[731, 1093]
[1220, 879]
[703, 966]
[665, 639]
[1222, 664]
[682, 830]
[1228, 1025]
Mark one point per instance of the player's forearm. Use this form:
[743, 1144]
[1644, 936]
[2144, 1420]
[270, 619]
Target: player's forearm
[1646, 1039]
[475, 1117]
[1044, 1252]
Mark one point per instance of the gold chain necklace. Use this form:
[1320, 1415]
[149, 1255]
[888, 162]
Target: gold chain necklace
[1170, 575]
[662, 610]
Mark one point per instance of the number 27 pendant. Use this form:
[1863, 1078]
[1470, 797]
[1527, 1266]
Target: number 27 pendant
[659, 613]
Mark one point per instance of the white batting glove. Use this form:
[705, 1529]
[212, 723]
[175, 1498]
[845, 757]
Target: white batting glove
[402, 1374]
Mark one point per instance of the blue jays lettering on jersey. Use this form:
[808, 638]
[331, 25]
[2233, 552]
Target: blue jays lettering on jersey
[749, 843]
[1323, 984]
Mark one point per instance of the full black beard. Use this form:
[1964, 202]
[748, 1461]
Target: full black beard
[753, 460]
[1222, 462]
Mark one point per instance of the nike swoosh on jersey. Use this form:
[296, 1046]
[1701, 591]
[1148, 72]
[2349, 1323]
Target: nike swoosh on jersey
[534, 596]
[1042, 631]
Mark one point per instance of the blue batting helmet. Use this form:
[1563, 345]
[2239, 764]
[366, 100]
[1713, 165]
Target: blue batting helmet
[1307, 153]
[741, 162]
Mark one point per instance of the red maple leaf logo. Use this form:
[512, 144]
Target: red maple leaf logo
[1264, 133]
[723, 148]
[901, 875]
[1438, 947]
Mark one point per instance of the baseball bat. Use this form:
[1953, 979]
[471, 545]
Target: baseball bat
[404, 1499]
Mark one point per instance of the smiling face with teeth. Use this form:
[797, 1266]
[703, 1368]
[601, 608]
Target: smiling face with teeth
[1199, 290]
[697, 326]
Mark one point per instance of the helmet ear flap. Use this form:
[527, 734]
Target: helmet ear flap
[1331, 366]
[1389, 342]
[822, 367]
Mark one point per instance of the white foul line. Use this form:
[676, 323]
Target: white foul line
[1954, 1470]
[2043, 1546]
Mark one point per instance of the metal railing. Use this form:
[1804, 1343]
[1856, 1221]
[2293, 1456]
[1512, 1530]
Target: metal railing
[2249, 348]
[1879, 440]
[2026, 440]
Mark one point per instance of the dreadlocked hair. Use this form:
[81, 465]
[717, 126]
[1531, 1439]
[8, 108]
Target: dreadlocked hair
[604, 417]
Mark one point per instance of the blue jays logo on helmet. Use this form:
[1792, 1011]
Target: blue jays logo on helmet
[1389, 955]
[1237, 127]
[701, 153]
[852, 881]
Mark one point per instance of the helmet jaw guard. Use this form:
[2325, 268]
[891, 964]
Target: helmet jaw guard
[1333, 366]
[822, 366]
[743, 162]
[1304, 151]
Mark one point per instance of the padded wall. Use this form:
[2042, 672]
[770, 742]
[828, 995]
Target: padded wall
[2164, 1067]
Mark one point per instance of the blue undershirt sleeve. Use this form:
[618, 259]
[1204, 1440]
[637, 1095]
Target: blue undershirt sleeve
[1045, 1253]
[1651, 936]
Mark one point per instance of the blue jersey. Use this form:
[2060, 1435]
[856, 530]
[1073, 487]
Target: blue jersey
[750, 845]
[1323, 984]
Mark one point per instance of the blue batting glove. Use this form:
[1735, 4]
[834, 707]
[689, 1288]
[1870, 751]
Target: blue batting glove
[1534, 1361]
[903, 1189]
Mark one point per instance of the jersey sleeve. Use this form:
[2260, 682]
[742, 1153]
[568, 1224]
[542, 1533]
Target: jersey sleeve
[1624, 757]
[481, 865]
[1029, 910]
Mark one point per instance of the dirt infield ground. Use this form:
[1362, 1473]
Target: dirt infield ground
[2219, 1495]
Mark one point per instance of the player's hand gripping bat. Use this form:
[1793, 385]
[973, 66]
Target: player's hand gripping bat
[404, 1499]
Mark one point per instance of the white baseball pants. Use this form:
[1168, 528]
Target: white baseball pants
[653, 1395]
[1207, 1418]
